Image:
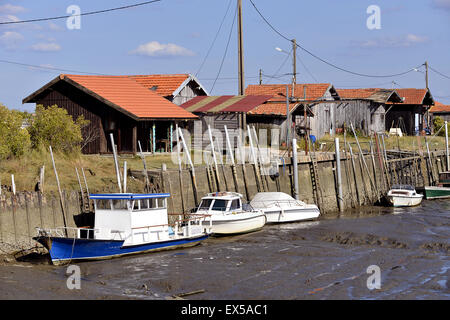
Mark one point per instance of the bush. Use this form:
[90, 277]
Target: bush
[14, 140]
[54, 127]
[438, 122]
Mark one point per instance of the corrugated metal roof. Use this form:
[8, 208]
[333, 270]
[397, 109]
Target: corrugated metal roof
[220, 104]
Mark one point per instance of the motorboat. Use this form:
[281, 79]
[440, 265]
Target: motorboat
[281, 207]
[124, 224]
[228, 215]
[403, 196]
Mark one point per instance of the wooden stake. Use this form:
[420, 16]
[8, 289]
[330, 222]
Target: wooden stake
[61, 199]
[116, 162]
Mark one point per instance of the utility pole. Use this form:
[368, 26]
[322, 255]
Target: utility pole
[240, 50]
[294, 64]
[260, 76]
[426, 74]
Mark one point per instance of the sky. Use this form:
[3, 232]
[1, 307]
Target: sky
[175, 36]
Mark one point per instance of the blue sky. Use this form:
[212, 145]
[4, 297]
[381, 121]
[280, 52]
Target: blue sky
[173, 36]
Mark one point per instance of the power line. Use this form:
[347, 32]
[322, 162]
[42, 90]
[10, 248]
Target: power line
[226, 50]
[324, 61]
[215, 38]
[439, 73]
[307, 70]
[81, 14]
[49, 68]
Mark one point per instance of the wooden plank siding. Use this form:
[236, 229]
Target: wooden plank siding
[103, 119]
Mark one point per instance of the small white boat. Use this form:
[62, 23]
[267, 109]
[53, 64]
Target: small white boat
[228, 215]
[403, 196]
[281, 207]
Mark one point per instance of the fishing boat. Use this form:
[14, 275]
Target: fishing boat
[281, 207]
[442, 190]
[229, 215]
[403, 196]
[124, 224]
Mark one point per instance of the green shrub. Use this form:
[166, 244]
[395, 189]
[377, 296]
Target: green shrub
[14, 140]
[438, 122]
[54, 127]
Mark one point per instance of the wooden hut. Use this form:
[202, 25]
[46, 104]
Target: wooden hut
[120, 105]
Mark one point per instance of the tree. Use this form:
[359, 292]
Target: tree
[54, 126]
[14, 139]
[438, 122]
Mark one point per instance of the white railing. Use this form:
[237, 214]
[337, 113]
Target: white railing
[66, 232]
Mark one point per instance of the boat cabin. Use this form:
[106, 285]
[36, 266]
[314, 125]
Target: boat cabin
[221, 202]
[402, 189]
[135, 218]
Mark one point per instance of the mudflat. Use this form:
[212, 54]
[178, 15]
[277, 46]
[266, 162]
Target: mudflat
[325, 259]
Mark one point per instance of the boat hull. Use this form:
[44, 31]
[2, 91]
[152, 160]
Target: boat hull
[65, 250]
[223, 226]
[404, 201]
[437, 192]
[291, 215]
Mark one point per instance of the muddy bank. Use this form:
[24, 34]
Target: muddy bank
[325, 259]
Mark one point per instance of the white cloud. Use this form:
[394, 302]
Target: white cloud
[54, 27]
[46, 47]
[441, 4]
[156, 49]
[9, 8]
[11, 39]
[392, 42]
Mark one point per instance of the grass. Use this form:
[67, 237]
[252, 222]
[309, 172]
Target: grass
[405, 143]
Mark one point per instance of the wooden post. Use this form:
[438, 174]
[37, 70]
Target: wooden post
[61, 199]
[255, 161]
[147, 180]
[374, 170]
[338, 175]
[194, 181]
[116, 162]
[233, 164]
[447, 156]
[354, 174]
[216, 169]
[81, 188]
[261, 162]
[244, 170]
[295, 167]
[125, 177]
[364, 160]
[13, 185]
[180, 171]
[41, 178]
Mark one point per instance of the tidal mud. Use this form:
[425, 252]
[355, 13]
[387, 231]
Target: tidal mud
[324, 259]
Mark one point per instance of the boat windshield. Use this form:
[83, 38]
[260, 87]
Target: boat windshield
[205, 204]
[220, 205]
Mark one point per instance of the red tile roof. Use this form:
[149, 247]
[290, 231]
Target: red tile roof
[219, 104]
[164, 84]
[439, 107]
[129, 96]
[412, 95]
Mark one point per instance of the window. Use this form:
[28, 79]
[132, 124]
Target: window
[103, 204]
[120, 204]
[220, 205]
[235, 204]
[205, 204]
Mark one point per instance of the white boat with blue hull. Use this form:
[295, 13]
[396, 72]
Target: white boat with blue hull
[125, 224]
